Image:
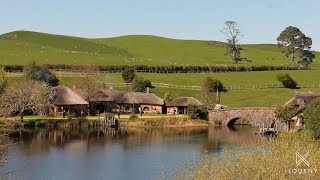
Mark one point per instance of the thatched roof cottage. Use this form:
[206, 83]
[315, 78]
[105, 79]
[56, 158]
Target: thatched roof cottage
[67, 102]
[180, 105]
[302, 100]
[109, 99]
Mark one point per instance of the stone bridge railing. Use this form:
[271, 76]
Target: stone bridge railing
[256, 115]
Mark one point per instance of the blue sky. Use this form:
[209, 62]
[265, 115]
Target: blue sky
[260, 21]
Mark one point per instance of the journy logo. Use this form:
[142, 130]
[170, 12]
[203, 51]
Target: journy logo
[302, 165]
[302, 159]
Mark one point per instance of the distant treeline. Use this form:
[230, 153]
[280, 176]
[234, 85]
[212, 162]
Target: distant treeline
[164, 69]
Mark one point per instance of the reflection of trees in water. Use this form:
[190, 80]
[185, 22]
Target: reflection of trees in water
[211, 138]
[218, 137]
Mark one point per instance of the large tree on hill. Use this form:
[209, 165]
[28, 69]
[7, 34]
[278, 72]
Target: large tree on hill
[297, 44]
[233, 49]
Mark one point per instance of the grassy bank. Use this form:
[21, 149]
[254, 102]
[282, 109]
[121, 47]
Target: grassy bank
[163, 122]
[151, 120]
[269, 159]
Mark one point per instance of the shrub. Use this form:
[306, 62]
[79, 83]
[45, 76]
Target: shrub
[286, 113]
[287, 81]
[195, 112]
[133, 117]
[167, 97]
[128, 75]
[3, 79]
[212, 85]
[72, 116]
[312, 118]
[140, 85]
[40, 73]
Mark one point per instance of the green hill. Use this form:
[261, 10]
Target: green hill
[20, 47]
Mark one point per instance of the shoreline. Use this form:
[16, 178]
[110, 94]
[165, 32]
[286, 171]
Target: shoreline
[155, 121]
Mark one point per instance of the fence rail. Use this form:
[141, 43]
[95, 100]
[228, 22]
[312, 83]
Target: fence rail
[229, 88]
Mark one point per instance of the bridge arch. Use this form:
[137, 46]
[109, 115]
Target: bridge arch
[256, 116]
[233, 121]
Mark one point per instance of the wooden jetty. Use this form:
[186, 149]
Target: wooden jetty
[267, 131]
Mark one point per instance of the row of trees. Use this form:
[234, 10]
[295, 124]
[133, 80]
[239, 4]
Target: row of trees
[294, 42]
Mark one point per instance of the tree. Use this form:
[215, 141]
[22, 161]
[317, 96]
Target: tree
[90, 82]
[40, 73]
[195, 112]
[306, 58]
[209, 87]
[312, 118]
[287, 81]
[128, 75]
[26, 96]
[167, 97]
[3, 79]
[140, 85]
[286, 113]
[295, 42]
[233, 49]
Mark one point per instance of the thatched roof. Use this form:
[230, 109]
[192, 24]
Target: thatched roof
[65, 96]
[302, 99]
[141, 98]
[124, 97]
[184, 101]
[108, 95]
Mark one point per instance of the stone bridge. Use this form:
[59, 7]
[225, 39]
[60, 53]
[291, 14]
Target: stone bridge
[256, 116]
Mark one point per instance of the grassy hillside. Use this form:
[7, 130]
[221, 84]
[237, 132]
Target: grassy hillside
[20, 47]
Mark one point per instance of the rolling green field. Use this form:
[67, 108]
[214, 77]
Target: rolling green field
[21, 47]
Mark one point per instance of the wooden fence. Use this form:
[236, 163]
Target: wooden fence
[77, 73]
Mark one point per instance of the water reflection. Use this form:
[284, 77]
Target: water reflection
[125, 153]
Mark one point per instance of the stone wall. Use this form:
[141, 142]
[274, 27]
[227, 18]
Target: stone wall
[256, 116]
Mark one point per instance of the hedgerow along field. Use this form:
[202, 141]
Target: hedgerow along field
[20, 47]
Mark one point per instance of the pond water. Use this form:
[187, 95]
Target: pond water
[125, 153]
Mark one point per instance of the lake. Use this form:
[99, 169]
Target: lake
[124, 153]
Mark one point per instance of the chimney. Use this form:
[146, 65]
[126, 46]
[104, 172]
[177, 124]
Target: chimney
[147, 90]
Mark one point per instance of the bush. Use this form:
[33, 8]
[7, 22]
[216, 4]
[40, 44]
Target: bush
[133, 117]
[312, 118]
[40, 73]
[72, 116]
[128, 75]
[212, 85]
[195, 112]
[3, 79]
[287, 81]
[140, 85]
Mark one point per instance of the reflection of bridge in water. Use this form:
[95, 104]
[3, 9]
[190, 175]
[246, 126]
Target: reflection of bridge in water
[256, 115]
